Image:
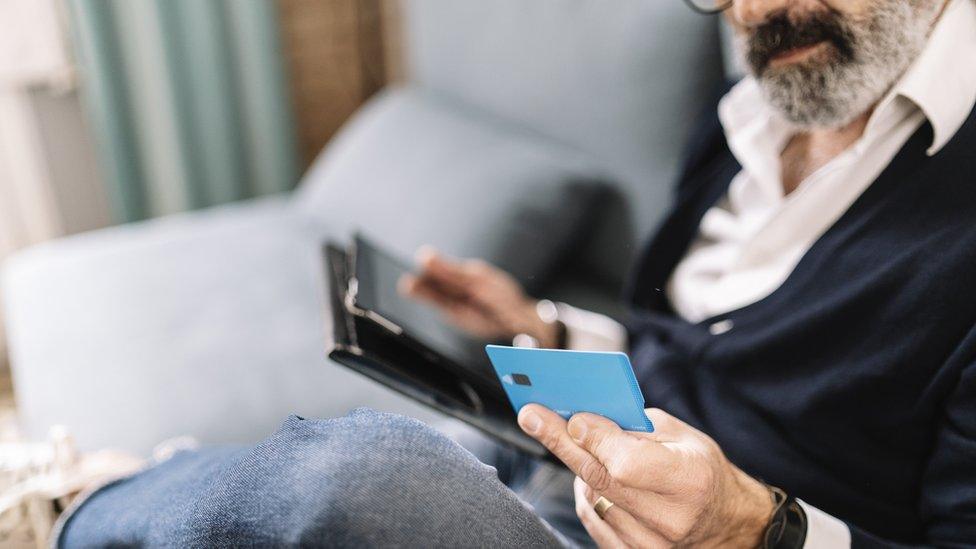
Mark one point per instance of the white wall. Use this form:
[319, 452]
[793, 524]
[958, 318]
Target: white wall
[27, 208]
[49, 181]
[68, 150]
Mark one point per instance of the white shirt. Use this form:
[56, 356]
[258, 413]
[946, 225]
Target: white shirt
[750, 241]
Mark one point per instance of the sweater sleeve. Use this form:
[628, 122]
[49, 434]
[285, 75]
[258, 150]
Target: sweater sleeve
[947, 496]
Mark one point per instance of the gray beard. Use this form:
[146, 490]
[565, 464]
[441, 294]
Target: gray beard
[832, 94]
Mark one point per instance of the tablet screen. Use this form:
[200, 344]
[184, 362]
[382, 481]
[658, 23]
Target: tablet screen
[377, 274]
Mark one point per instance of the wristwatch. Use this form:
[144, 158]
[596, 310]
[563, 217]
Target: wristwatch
[787, 529]
[548, 312]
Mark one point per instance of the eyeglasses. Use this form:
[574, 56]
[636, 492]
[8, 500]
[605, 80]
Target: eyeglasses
[709, 7]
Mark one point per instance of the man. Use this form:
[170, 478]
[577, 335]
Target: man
[804, 310]
[800, 327]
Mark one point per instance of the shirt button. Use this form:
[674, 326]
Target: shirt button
[721, 327]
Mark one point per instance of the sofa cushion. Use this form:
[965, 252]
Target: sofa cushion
[413, 169]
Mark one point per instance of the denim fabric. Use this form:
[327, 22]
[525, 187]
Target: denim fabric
[546, 487]
[366, 479]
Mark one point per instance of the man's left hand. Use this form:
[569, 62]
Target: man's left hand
[672, 487]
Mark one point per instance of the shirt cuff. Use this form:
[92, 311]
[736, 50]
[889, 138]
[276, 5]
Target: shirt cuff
[589, 331]
[824, 531]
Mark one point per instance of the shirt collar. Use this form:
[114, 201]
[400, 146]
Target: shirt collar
[756, 134]
[941, 83]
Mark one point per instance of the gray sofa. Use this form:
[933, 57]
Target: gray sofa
[212, 324]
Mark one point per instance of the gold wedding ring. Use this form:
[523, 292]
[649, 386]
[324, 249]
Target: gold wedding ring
[601, 507]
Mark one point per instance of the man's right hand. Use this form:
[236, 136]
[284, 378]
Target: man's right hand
[477, 297]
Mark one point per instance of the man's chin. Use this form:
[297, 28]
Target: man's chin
[811, 94]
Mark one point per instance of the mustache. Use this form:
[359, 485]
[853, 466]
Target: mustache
[780, 34]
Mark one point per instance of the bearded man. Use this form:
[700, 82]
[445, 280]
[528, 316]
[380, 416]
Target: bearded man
[803, 316]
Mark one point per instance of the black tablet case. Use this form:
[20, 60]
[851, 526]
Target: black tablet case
[410, 368]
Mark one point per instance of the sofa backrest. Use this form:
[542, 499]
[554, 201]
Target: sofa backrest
[620, 81]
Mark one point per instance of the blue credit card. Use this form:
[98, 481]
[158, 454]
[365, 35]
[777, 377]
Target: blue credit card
[569, 382]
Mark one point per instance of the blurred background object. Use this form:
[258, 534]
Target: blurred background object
[119, 110]
[48, 182]
[188, 99]
[339, 53]
[48, 185]
[113, 111]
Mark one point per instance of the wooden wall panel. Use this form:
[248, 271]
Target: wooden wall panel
[394, 54]
[337, 57]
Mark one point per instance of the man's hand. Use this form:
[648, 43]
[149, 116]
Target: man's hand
[673, 487]
[476, 297]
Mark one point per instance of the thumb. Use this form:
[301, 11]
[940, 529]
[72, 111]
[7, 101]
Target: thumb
[629, 458]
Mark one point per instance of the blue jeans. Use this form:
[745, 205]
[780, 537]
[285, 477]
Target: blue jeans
[366, 479]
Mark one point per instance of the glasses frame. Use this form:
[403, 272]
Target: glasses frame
[705, 11]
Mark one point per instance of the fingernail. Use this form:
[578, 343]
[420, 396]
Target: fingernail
[530, 422]
[577, 429]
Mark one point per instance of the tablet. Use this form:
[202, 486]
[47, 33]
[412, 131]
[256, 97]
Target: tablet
[570, 382]
[375, 346]
[373, 293]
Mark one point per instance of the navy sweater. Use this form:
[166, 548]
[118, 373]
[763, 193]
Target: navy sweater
[853, 385]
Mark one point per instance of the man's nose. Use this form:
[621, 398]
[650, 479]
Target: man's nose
[751, 13]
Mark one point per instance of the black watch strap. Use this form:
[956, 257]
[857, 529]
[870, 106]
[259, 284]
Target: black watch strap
[787, 528]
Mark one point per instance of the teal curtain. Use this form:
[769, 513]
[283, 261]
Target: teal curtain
[189, 101]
